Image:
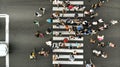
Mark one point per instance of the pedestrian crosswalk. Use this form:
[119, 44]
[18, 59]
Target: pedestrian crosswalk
[63, 48]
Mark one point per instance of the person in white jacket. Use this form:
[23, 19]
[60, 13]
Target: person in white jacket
[49, 43]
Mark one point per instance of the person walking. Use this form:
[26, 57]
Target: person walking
[90, 64]
[37, 14]
[33, 54]
[36, 22]
[43, 10]
[100, 37]
[37, 34]
[49, 20]
[70, 7]
[63, 12]
[41, 35]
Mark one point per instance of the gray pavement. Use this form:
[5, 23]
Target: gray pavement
[22, 29]
[2, 29]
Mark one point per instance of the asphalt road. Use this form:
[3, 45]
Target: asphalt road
[22, 29]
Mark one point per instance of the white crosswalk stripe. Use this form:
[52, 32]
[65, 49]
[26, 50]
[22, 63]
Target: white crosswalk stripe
[57, 20]
[61, 8]
[68, 62]
[64, 32]
[68, 56]
[73, 44]
[73, 39]
[70, 15]
[63, 27]
[71, 2]
[68, 50]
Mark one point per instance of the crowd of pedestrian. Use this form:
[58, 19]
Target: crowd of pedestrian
[38, 34]
[81, 26]
[87, 25]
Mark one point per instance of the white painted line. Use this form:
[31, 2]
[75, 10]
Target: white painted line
[58, 21]
[68, 62]
[70, 14]
[64, 32]
[68, 50]
[6, 35]
[60, 27]
[61, 9]
[7, 39]
[73, 44]
[63, 27]
[7, 60]
[68, 56]
[71, 2]
[72, 39]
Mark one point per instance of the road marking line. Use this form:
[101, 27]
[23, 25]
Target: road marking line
[6, 36]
